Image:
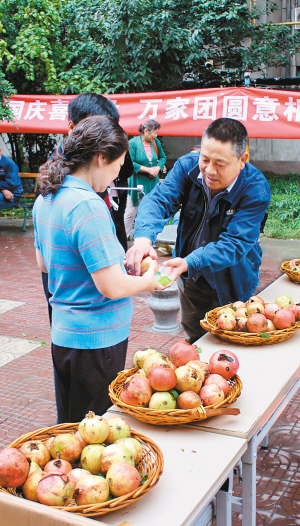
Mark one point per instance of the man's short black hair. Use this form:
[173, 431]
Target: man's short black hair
[88, 104]
[228, 130]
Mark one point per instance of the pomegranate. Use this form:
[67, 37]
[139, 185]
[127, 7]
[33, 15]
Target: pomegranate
[118, 428]
[156, 360]
[93, 429]
[271, 326]
[254, 308]
[14, 467]
[48, 442]
[162, 400]
[284, 318]
[226, 310]
[58, 466]
[76, 475]
[296, 310]
[114, 453]
[206, 367]
[255, 299]
[284, 301]
[145, 264]
[188, 379]
[141, 371]
[162, 378]
[30, 485]
[37, 451]
[241, 324]
[220, 381]
[196, 364]
[55, 490]
[66, 446]
[83, 442]
[91, 489]
[140, 357]
[33, 467]
[122, 478]
[238, 305]
[294, 263]
[226, 322]
[182, 352]
[133, 445]
[136, 391]
[211, 394]
[270, 310]
[224, 363]
[90, 458]
[188, 400]
[257, 323]
[241, 313]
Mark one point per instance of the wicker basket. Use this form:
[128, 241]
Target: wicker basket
[294, 275]
[245, 338]
[173, 416]
[150, 466]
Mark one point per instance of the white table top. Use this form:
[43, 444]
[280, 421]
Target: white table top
[195, 466]
[267, 372]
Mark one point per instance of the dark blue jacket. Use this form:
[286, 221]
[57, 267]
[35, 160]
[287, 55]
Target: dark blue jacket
[9, 176]
[233, 255]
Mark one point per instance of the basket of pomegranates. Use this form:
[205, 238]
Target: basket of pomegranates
[292, 269]
[179, 388]
[98, 466]
[254, 322]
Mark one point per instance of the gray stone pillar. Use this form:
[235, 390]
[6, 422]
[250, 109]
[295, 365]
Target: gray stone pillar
[165, 306]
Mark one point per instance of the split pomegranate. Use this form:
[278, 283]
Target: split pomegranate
[224, 363]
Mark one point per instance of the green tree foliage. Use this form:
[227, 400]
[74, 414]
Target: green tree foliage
[73, 46]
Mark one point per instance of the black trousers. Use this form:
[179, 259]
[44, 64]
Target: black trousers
[83, 377]
[196, 298]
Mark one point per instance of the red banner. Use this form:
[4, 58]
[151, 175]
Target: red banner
[265, 113]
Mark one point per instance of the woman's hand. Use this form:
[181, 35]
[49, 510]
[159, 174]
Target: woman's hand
[152, 171]
[177, 266]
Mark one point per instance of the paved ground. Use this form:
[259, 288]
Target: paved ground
[26, 376]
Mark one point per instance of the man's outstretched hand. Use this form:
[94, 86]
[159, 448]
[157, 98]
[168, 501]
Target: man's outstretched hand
[140, 249]
[177, 266]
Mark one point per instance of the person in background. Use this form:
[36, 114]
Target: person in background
[76, 244]
[85, 105]
[82, 106]
[224, 198]
[10, 182]
[148, 160]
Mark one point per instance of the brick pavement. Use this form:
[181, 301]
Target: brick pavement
[26, 384]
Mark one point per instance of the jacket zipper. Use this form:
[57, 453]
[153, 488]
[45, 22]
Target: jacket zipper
[200, 226]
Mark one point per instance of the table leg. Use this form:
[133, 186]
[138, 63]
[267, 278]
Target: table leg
[223, 503]
[249, 484]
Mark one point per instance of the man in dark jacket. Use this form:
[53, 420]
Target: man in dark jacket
[223, 201]
[10, 182]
